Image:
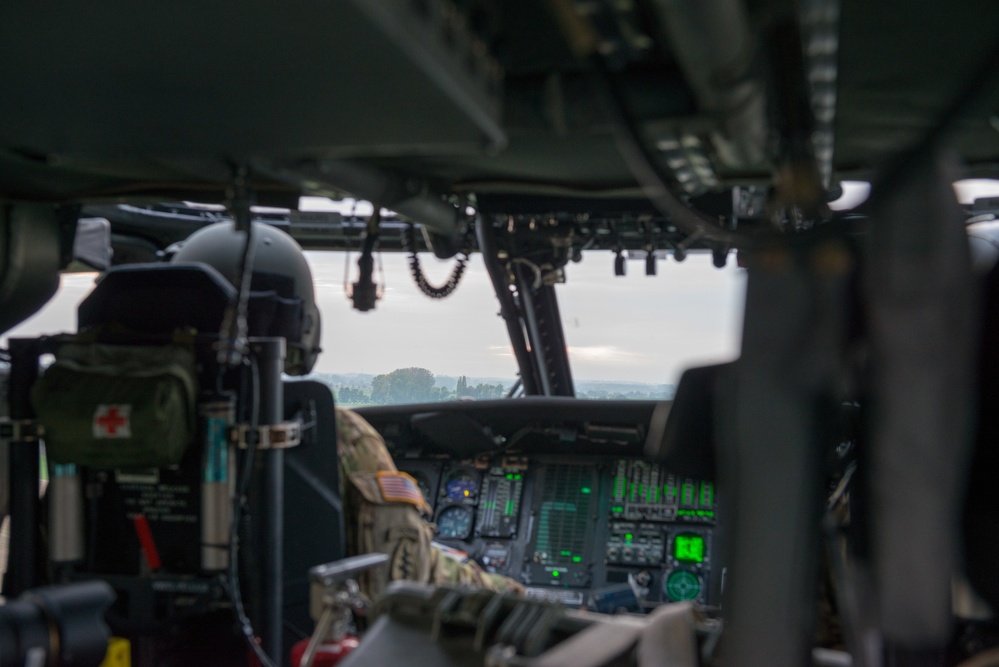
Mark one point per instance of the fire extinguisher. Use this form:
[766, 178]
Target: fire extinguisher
[326, 654]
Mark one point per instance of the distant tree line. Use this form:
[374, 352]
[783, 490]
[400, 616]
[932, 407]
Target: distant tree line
[413, 385]
[418, 385]
[465, 390]
[621, 396]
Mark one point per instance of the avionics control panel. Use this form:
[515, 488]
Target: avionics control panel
[558, 494]
[570, 527]
[563, 543]
[484, 500]
[659, 519]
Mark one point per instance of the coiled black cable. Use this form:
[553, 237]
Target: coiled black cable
[434, 292]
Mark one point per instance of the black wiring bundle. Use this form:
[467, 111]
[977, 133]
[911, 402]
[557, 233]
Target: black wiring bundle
[434, 292]
[239, 503]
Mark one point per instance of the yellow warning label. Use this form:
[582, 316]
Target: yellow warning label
[119, 653]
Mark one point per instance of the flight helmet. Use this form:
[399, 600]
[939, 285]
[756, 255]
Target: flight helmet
[282, 297]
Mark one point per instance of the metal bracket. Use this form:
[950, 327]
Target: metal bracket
[273, 436]
[20, 430]
[333, 596]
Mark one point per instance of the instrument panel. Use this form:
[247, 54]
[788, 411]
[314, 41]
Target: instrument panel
[568, 528]
[561, 495]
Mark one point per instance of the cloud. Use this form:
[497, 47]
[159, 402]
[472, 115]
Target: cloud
[587, 354]
[605, 354]
[79, 281]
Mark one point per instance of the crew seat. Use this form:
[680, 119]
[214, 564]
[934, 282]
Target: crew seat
[157, 299]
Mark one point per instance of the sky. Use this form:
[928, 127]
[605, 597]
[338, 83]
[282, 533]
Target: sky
[633, 328]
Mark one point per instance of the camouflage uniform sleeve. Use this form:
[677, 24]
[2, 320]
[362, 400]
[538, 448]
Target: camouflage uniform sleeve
[446, 570]
[374, 523]
[359, 445]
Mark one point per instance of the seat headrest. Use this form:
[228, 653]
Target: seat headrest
[158, 298]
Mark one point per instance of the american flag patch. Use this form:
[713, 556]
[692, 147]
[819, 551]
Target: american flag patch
[400, 488]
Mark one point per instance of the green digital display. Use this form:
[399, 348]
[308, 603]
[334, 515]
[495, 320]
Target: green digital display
[682, 585]
[688, 548]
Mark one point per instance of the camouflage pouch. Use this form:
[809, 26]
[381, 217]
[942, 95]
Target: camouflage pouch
[390, 523]
[118, 406]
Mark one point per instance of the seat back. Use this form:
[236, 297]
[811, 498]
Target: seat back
[313, 507]
[683, 437]
[148, 303]
[981, 509]
[158, 299]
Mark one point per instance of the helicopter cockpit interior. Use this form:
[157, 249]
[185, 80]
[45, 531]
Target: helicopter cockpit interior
[826, 498]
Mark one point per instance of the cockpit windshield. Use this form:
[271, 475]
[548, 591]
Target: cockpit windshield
[632, 336]
[628, 337]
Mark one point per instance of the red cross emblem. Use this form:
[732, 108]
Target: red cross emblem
[113, 421]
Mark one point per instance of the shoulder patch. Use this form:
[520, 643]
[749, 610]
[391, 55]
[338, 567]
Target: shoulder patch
[404, 560]
[400, 488]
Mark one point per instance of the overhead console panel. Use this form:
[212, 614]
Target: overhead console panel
[156, 91]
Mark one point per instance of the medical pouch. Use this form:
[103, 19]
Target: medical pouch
[118, 406]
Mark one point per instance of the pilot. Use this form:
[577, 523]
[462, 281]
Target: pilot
[383, 508]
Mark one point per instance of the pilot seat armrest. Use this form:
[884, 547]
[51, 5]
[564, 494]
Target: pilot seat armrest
[334, 597]
[340, 571]
[334, 585]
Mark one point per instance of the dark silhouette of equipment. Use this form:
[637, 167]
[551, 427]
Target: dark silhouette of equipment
[61, 625]
[185, 545]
